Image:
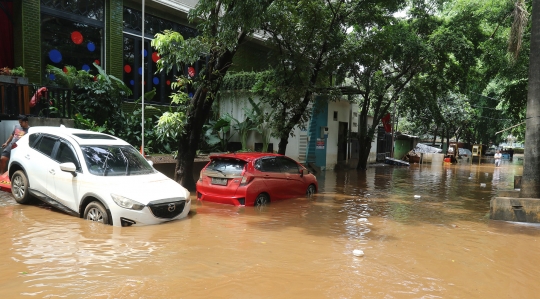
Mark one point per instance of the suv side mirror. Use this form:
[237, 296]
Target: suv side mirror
[69, 167]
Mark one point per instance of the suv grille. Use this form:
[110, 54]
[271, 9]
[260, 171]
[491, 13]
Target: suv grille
[167, 210]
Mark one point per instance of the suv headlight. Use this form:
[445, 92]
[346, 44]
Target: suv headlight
[127, 203]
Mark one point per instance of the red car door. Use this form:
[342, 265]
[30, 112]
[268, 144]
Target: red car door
[296, 185]
[274, 180]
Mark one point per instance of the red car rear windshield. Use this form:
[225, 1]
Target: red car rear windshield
[227, 166]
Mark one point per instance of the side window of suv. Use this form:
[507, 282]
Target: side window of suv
[288, 165]
[46, 145]
[267, 165]
[32, 139]
[66, 154]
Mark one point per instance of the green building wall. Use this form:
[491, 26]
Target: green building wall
[27, 38]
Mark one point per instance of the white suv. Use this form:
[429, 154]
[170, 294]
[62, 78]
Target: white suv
[93, 176]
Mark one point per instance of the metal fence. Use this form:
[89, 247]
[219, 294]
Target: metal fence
[51, 102]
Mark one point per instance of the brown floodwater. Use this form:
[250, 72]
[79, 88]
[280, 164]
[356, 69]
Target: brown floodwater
[424, 230]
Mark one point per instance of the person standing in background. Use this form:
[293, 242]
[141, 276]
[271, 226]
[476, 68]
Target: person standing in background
[498, 157]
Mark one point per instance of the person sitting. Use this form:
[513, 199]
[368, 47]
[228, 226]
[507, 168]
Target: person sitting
[19, 131]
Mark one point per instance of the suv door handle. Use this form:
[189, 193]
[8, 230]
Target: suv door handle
[51, 171]
[27, 156]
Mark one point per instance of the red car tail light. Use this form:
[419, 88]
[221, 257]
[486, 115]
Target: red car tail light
[200, 175]
[246, 180]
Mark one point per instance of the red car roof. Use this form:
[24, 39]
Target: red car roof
[244, 156]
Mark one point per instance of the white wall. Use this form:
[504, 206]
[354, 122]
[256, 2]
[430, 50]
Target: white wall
[342, 108]
[6, 128]
[373, 151]
[235, 103]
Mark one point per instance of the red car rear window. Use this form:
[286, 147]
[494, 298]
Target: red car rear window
[227, 166]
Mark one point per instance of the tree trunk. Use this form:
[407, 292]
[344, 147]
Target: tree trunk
[363, 150]
[530, 182]
[189, 141]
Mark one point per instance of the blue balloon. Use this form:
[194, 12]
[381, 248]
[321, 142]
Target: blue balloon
[91, 47]
[132, 82]
[55, 56]
[145, 53]
[52, 76]
[85, 67]
[140, 71]
[155, 80]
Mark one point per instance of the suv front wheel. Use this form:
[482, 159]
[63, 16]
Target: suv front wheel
[95, 211]
[19, 187]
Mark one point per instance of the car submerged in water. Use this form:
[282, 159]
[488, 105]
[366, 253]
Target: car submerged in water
[253, 179]
[94, 176]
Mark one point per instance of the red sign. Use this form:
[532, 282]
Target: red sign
[386, 123]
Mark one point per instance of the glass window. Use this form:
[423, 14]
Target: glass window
[92, 9]
[287, 165]
[65, 42]
[46, 145]
[134, 52]
[267, 165]
[32, 139]
[65, 154]
[115, 160]
[227, 166]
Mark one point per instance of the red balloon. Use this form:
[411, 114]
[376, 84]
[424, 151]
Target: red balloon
[168, 82]
[127, 68]
[96, 62]
[76, 37]
[65, 70]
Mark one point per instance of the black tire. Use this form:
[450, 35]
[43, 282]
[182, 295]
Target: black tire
[262, 200]
[95, 211]
[19, 187]
[311, 190]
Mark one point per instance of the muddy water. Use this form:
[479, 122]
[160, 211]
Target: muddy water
[437, 244]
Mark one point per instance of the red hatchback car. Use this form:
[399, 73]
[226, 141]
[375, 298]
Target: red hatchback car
[253, 179]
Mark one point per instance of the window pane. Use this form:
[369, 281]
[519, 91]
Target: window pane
[288, 165]
[46, 145]
[115, 160]
[227, 166]
[65, 155]
[92, 9]
[269, 165]
[66, 42]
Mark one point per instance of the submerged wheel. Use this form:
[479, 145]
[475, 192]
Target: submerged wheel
[311, 190]
[95, 211]
[19, 187]
[262, 200]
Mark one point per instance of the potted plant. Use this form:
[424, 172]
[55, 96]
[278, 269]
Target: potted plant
[13, 76]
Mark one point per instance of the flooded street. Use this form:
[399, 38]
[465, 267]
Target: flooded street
[424, 229]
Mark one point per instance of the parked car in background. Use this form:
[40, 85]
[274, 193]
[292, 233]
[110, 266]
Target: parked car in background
[490, 151]
[253, 179]
[94, 176]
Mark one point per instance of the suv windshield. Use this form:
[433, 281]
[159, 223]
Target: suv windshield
[117, 160]
[227, 166]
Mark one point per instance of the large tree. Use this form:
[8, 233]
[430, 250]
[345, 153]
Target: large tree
[383, 59]
[309, 40]
[223, 26]
[530, 184]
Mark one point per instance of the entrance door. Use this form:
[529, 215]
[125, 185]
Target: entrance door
[342, 141]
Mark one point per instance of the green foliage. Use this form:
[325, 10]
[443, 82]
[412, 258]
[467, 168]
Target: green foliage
[240, 81]
[18, 71]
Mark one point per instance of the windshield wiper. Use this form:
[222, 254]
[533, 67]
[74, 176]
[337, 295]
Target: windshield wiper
[125, 160]
[105, 163]
[219, 171]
